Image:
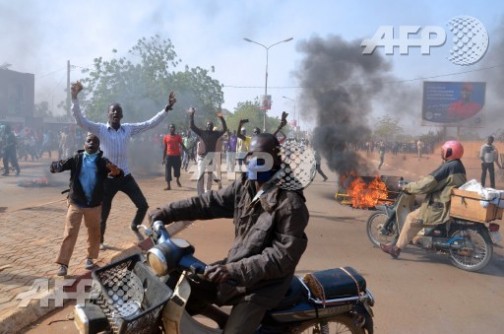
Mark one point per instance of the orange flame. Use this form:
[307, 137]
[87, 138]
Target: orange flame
[367, 195]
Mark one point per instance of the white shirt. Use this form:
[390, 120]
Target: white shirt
[488, 153]
[115, 143]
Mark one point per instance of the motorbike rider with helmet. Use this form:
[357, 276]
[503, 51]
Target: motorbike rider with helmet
[269, 224]
[437, 187]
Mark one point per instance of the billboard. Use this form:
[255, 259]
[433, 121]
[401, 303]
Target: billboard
[455, 103]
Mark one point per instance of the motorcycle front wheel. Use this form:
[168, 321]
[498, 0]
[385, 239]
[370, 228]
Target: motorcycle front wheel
[334, 325]
[472, 248]
[377, 232]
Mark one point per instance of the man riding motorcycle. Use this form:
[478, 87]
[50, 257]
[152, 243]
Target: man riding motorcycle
[269, 239]
[437, 186]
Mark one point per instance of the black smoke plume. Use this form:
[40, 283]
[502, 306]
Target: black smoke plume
[339, 85]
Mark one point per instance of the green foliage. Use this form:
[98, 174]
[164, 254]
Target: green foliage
[246, 110]
[387, 128]
[251, 111]
[142, 81]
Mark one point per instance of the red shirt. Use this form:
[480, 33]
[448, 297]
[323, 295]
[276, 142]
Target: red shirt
[461, 110]
[172, 144]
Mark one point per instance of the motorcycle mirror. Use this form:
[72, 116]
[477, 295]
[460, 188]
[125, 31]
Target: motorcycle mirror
[147, 231]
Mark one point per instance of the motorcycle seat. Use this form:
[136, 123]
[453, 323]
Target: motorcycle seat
[335, 283]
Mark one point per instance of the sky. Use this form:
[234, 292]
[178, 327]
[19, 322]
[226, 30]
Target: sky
[39, 37]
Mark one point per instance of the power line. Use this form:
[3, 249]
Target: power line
[386, 82]
[52, 72]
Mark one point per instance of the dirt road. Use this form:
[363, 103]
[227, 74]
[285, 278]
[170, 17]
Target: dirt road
[418, 293]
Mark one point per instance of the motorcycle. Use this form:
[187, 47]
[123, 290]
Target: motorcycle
[467, 243]
[148, 294]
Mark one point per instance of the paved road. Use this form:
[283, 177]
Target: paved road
[419, 293]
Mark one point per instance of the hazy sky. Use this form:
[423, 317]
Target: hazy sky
[40, 36]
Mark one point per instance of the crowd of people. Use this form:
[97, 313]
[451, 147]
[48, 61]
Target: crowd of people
[418, 147]
[23, 143]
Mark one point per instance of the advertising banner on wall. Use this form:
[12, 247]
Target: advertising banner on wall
[453, 103]
[266, 102]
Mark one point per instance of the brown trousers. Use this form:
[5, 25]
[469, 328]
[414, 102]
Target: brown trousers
[72, 226]
[410, 229]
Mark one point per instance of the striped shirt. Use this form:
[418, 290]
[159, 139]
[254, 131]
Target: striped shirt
[115, 143]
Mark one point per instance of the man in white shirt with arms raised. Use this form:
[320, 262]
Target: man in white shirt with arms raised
[115, 138]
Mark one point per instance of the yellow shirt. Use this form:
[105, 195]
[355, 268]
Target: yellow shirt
[243, 145]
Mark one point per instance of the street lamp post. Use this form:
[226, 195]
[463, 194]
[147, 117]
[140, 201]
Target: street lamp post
[266, 74]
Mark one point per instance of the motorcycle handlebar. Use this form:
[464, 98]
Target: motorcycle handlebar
[180, 250]
[161, 232]
[187, 261]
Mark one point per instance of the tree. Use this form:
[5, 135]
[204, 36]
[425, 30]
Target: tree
[142, 80]
[387, 128]
[251, 111]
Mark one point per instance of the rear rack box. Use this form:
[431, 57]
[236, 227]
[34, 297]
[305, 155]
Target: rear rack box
[468, 205]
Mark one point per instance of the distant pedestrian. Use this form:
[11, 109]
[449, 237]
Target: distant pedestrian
[318, 166]
[172, 156]
[206, 149]
[243, 143]
[190, 152]
[489, 155]
[9, 153]
[381, 152]
[219, 150]
[231, 152]
[420, 147]
[395, 148]
[115, 138]
[88, 172]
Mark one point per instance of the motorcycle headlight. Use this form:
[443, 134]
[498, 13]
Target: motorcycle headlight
[157, 261]
[164, 257]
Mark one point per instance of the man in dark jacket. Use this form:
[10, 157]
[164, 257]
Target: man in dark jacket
[207, 148]
[88, 171]
[437, 187]
[269, 238]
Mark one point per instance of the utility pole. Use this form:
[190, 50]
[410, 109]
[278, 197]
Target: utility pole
[68, 99]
